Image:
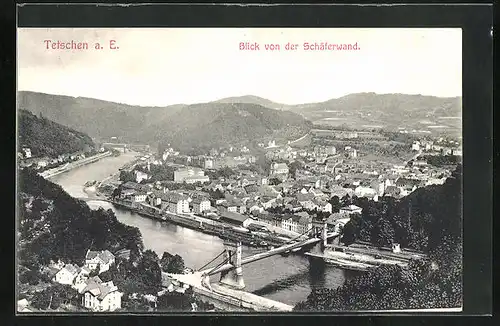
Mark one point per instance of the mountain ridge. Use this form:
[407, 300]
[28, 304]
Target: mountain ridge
[181, 125]
[148, 124]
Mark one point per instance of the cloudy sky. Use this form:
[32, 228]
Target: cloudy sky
[168, 66]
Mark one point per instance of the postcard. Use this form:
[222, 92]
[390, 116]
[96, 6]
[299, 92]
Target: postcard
[226, 170]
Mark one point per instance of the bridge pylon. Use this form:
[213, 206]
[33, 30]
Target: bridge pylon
[233, 278]
[320, 228]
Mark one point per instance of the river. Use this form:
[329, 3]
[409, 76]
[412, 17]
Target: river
[286, 279]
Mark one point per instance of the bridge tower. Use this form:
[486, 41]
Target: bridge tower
[320, 229]
[233, 278]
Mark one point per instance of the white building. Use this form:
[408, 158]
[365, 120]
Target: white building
[351, 209]
[175, 203]
[103, 259]
[22, 306]
[193, 174]
[139, 176]
[365, 191]
[200, 205]
[350, 152]
[208, 163]
[42, 164]
[194, 179]
[139, 197]
[279, 169]
[67, 274]
[27, 152]
[324, 206]
[101, 296]
[299, 223]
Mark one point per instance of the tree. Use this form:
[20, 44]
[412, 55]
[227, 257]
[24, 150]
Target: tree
[150, 270]
[294, 166]
[53, 296]
[116, 192]
[139, 304]
[346, 200]
[31, 277]
[172, 264]
[383, 233]
[335, 202]
[216, 194]
[350, 230]
[127, 176]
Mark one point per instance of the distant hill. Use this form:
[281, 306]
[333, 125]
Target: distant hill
[371, 110]
[99, 119]
[391, 111]
[183, 126]
[218, 124]
[239, 118]
[47, 138]
[252, 99]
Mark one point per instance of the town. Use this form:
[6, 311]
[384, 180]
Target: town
[263, 195]
[283, 192]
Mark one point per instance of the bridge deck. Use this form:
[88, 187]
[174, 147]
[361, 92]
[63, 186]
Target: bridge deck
[243, 298]
[237, 297]
[266, 254]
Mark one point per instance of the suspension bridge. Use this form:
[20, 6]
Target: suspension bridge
[230, 268]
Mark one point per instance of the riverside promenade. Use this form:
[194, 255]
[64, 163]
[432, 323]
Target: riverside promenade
[72, 165]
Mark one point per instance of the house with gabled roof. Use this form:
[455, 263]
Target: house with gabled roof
[80, 282]
[104, 259]
[235, 218]
[293, 206]
[317, 192]
[407, 185]
[200, 205]
[67, 274]
[322, 205]
[173, 202]
[267, 201]
[298, 222]
[101, 296]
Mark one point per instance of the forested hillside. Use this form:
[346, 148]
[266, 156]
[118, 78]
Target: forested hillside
[219, 124]
[48, 138]
[54, 225]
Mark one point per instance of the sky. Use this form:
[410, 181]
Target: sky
[159, 67]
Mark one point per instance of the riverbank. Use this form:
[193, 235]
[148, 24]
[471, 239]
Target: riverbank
[214, 228]
[73, 165]
[362, 257]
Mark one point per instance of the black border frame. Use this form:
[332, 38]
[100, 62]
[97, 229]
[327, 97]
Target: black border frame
[475, 21]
